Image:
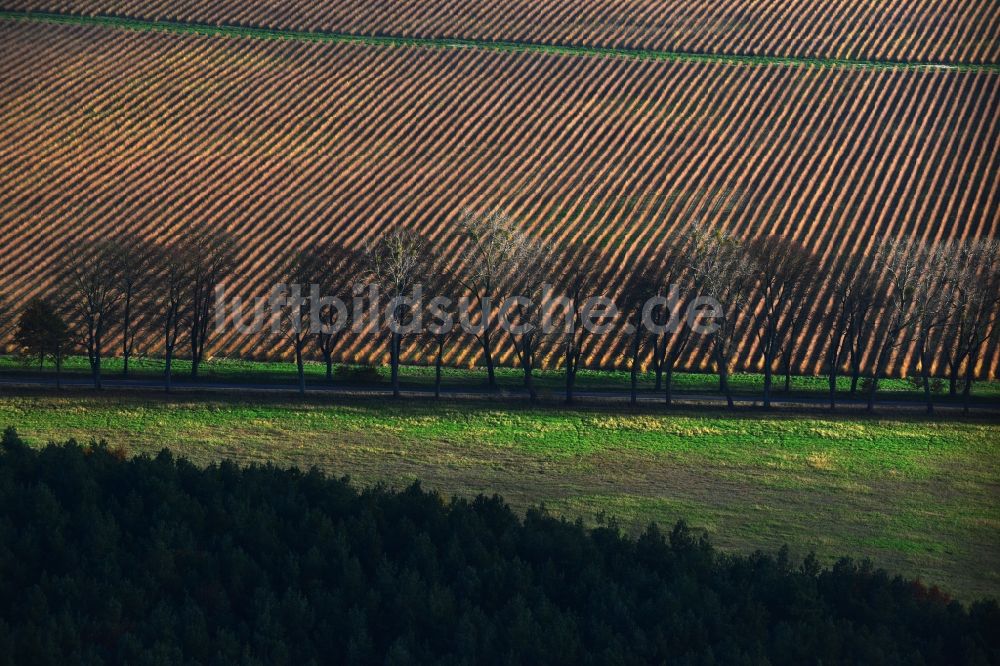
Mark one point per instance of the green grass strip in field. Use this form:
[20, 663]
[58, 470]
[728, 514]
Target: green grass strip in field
[452, 43]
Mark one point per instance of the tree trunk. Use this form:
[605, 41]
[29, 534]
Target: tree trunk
[95, 366]
[570, 377]
[767, 383]
[724, 380]
[530, 385]
[724, 374]
[833, 356]
[668, 379]
[788, 379]
[488, 353]
[871, 391]
[833, 386]
[634, 375]
[855, 369]
[169, 358]
[634, 393]
[126, 328]
[327, 343]
[527, 366]
[197, 341]
[657, 364]
[300, 367]
[881, 360]
[967, 389]
[58, 370]
[925, 374]
[195, 353]
[490, 373]
[925, 370]
[437, 370]
[394, 360]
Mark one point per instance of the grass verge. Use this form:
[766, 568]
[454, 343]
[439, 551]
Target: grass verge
[239, 371]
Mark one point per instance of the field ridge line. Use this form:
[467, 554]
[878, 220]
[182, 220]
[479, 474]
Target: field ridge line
[233, 31]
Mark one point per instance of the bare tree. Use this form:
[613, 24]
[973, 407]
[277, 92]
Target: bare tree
[336, 269]
[934, 300]
[493, 247]
[659, 316]
[669, 337]
[396, 263]
[852, 296]
[965, 286]
[134, 283]
[172, 267]
[837, 319]
[781, 270]
[674, 341]
[719, 271]
[301, 270]
[318, 281]
[902, 263]
[579, 272]
[443, 288]
[641, 285]
[975, 312]
[867, 298]
[211, 257]
[94, 299]
[800, 314]
[523, 308]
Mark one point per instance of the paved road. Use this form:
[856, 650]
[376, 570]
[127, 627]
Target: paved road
[469, 393]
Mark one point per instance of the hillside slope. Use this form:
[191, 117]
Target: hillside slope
[287, 142]
[911, 30]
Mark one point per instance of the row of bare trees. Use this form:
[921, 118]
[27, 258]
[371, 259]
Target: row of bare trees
[124, 288]
[762, 296]
[942, 299]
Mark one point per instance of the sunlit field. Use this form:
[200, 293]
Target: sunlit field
[921, 498]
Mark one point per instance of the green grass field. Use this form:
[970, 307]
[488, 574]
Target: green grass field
[547, 381]
[919, 497]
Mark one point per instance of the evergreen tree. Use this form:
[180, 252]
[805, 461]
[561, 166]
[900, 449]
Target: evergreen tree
[41, 331]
